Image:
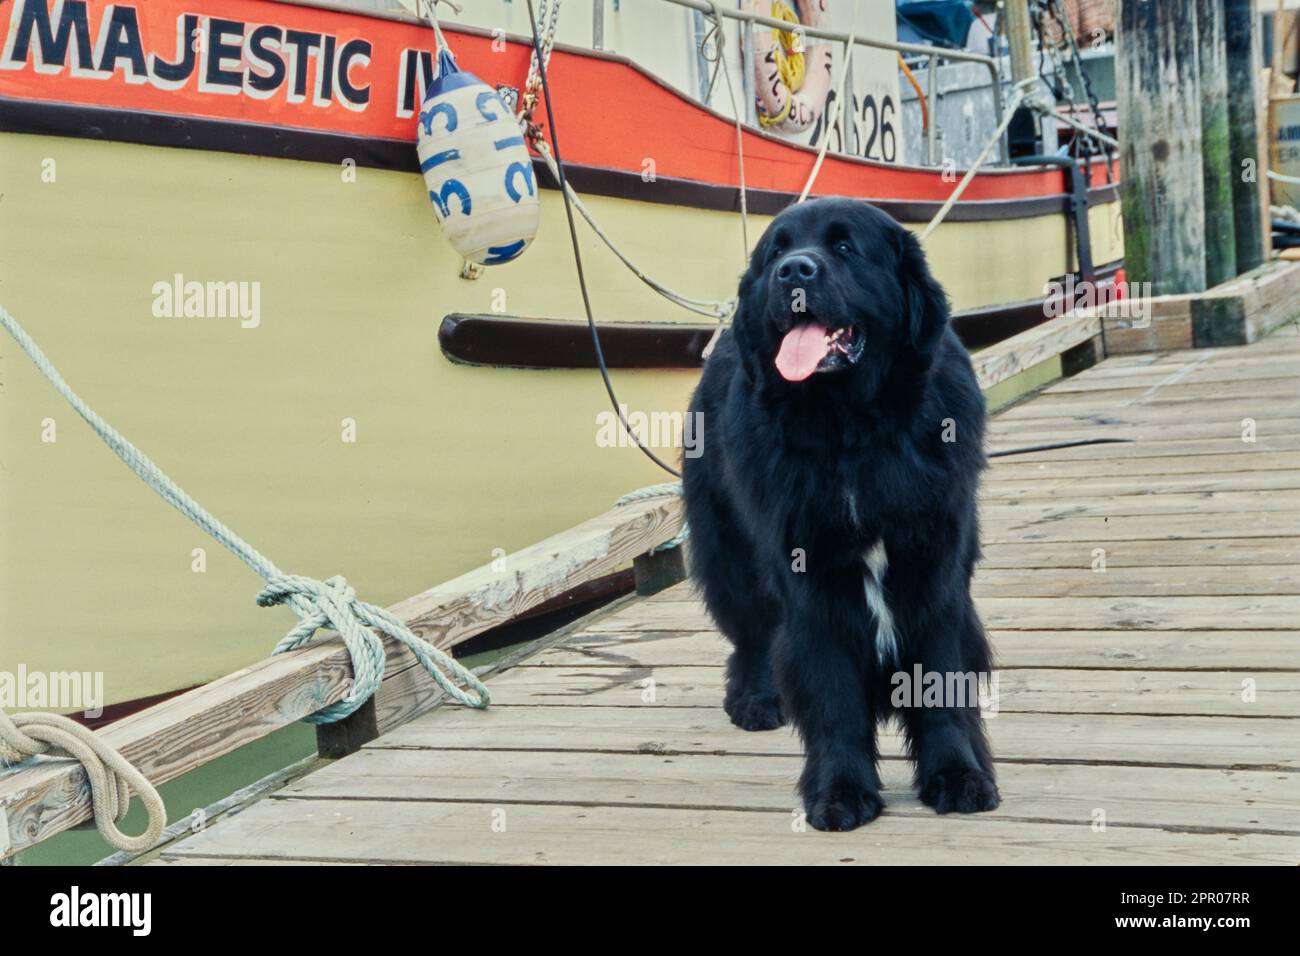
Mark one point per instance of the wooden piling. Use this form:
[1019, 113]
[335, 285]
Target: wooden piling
[1158, 92]
[1019, 36]
[1243, 57]
[1216, 152]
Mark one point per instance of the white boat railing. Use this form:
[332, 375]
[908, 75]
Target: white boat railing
[397, 10]
[932, 53]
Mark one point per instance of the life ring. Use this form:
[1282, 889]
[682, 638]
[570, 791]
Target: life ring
[792, 82]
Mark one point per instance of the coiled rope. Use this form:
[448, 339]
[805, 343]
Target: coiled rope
[111, 776]
[329, 603]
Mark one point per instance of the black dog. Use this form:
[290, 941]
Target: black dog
[832, 511]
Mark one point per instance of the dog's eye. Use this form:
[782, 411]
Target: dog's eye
[844, 247]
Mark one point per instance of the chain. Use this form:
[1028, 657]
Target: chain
[548, 15]
[1063, 32]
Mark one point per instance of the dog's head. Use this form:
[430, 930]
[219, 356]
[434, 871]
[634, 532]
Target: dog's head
[837, 292]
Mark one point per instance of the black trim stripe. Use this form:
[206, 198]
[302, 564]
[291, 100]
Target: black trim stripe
[158, 129]
[513, 342]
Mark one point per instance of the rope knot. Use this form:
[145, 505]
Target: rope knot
[333, 603]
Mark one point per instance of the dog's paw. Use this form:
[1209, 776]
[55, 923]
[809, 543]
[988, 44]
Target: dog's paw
[755, 711]
[960, 790]
[843, 808]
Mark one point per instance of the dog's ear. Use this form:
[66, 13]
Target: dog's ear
[747, 336]
[925, 304]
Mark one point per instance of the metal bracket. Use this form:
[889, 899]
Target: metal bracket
[1078, 208]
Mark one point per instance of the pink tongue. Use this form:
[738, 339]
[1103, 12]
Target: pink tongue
[802, 350]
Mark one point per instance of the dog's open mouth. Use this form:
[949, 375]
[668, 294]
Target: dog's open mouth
[810, 348]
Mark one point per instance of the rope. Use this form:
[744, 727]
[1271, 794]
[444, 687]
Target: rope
[718, 35]
[663, 490]
[1021, 90]
[532, 131]
[833, 113]
[111, 776]
[712, 308]
[329, 603]
[432, 14]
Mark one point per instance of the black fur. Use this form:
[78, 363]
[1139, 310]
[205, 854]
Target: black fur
[831, 465]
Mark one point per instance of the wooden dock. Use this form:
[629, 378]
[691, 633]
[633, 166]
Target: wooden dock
[1146, 713]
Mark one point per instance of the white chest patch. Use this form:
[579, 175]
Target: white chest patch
[876, 563]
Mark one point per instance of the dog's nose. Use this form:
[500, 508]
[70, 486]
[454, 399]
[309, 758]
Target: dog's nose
[797, 268]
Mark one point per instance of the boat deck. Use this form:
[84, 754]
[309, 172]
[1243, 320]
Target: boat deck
[1146, 713]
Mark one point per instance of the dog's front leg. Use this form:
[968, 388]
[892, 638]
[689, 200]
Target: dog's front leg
[954, 767]
[821, 672]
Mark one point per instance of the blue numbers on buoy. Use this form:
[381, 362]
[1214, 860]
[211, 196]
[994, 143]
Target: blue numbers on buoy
[438, 109]
[471, 151]
[519, 169]
[449, 189]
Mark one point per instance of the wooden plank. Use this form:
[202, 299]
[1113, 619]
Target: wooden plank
[191, 729]
[1245, 652]
[1200, 465]
[1141, 650]
[1167, 396]
[1058, 612]
[1010, 357]
[1047, 410]
[1004, 612]
[248, 861]
[1116, 506]
[1178, 448]
[1164, 323]
[1183, 382]
[1044, 487]
[1243, 553]
[1221, 366]
[1201, 693]
[1158, 581]
[443, 833]
[1154, 432]
[1174, 527]
[1267, 743]
[1185, 798]
[1155, 614]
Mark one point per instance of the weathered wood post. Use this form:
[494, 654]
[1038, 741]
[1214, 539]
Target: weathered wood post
[1026, 125]
[1243, 55]
[1158, 92]
[1019, 36]
[1216, 152]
